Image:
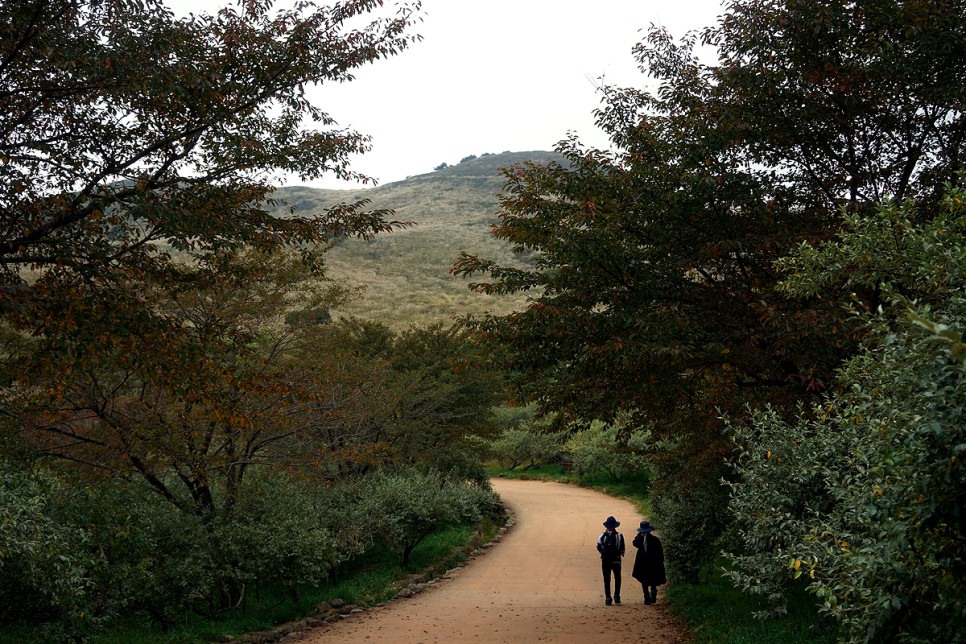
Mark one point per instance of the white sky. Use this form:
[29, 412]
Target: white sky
[491, 76]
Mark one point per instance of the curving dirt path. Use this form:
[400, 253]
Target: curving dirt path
[542, 582]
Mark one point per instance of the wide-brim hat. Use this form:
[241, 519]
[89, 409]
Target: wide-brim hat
[611, 522]
[645, 527]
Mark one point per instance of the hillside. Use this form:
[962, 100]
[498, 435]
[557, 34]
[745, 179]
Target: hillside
[404, 274]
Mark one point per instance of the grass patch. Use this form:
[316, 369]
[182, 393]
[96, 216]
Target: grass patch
[715, 611]
[541, 472]
[405, 274]
[633, 487]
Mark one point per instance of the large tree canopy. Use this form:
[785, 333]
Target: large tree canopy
[654, 264]
[138, 152]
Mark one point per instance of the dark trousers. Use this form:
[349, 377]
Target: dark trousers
[608, 567]
[650, 594]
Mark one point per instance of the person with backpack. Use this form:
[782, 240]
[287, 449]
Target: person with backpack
[610, 545]
[649, 562]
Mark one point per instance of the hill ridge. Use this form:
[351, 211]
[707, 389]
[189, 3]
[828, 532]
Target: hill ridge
[404, 275]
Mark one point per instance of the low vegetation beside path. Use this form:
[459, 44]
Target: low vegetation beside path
[131, 557]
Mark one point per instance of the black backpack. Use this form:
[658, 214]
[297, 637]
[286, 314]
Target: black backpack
[609, 549]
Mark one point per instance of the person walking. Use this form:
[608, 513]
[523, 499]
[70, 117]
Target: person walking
[610, 545]
[649, 562]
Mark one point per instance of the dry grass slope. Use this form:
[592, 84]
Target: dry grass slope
[404, 275]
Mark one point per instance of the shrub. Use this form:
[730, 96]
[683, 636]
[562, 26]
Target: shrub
[876, 472]
[146, 554]
[527, 444]
[284, 535]
[405, 506]
[597, 449]
[43, 569]
[690, 507]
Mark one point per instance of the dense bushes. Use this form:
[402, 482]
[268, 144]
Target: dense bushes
[594, 449]
[44, 576]
[863, 496]
[72, 558]
[405, 506]
[597, 449]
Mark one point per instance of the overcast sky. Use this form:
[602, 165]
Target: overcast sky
[493, 75]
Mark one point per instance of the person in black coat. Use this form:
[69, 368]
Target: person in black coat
[649, 562]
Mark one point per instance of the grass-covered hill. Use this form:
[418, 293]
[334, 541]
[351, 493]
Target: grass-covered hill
[405, 274]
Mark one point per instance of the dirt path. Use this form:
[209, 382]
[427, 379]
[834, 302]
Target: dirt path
[542, 582]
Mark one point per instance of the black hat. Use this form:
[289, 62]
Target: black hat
[645, 527]
[611, 523]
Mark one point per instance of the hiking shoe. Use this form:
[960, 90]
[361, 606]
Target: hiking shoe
[617, 599]
[607, 601]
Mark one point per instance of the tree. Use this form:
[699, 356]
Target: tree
[243, 376]
[654, 274]
[206, 394]
[138, 152]
[241, 390]
[427, 396]
[448, 396]
[133, 140]
[527, 445]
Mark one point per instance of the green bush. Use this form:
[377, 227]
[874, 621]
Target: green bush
[527, 445]
[690, 505]
[405, 506]
[596, 450]
[43, 568]
[283, 536]
[73, 557]
[883, 547]
[147, 554]
[876, 475]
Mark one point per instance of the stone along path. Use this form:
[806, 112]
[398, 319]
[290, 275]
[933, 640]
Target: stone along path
[540, 583]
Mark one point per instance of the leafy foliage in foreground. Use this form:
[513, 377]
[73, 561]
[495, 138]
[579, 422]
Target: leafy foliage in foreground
[864, 498]
[76, 558]
[127, 126]
[718, 613]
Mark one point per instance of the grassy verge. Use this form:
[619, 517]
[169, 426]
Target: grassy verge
[714, 611]
[537, 472]
[717, 612]
[367, 581]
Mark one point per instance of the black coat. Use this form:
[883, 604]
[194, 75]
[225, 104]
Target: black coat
[649, 565]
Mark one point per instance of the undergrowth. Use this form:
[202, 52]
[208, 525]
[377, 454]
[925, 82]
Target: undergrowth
[367, 581]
